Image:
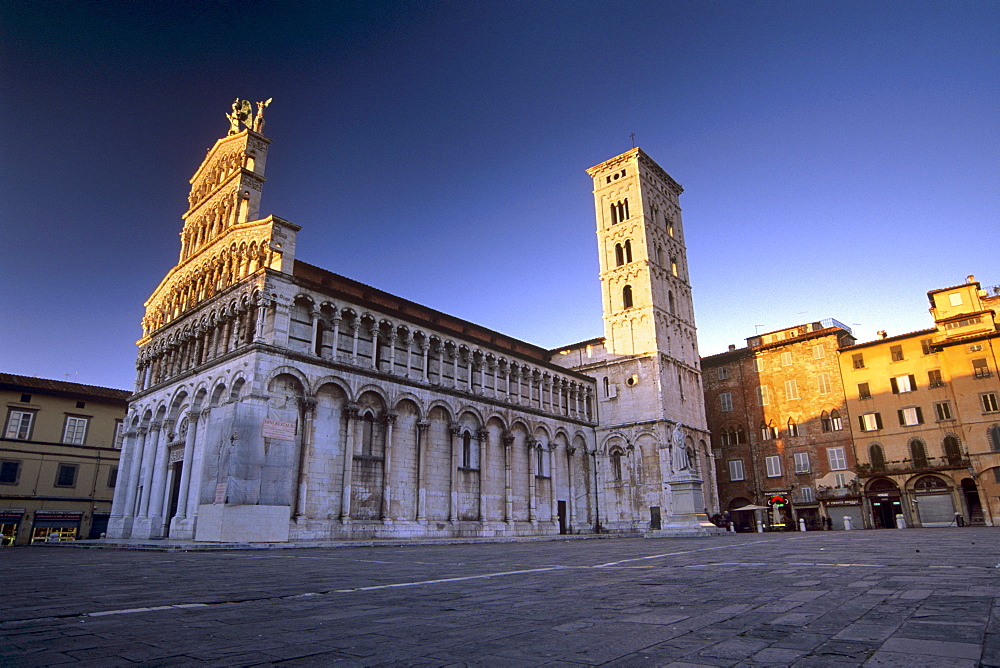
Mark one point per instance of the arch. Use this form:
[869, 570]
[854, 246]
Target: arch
[883, 485]
[627, 297]
[671, 304]
[628, 251]
[619, 255]
[918, 453]
[929, 483]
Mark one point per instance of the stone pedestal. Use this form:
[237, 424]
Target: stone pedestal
[688, 516]
[219, 523]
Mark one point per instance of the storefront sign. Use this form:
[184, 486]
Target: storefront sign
[841, 503]
[50, 515]
[283, 431]
[11, 513]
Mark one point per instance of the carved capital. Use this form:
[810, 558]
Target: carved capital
[570, 451]
[454, 428]
[482, 433]
[422, 425]
[388, 419]
[508, 440]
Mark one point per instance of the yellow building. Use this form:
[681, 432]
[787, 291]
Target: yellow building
[925, 410]
[58, 458]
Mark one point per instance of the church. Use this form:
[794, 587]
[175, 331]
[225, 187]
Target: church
[278, 401]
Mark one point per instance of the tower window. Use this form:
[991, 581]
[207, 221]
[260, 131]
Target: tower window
[628, 251]
[627, 296]
[673, 266]
[619, 255]
[619, 211]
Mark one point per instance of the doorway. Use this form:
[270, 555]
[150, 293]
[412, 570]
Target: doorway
[175, 492]
[654, 518]
[971, 493]
[563, 524]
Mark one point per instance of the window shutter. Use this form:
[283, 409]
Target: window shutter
[902, 418]
[878, 420]
[861, 421]
[920, 415]
[895, 386]
[913, 383]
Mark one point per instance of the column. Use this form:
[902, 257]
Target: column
[570, 451]
[118, 503]
[439, 349]
[408, 341]
[197, 457]
[453, 506]
[508, 501]
[132, 476]
[258, 336]
[335, 318]
[148, 456]
[483, 436]
[530, 446]
[351, 416]
[553, 506]
[159, 479]
[355, 327]
[389, 419]
[392, 350]
[422, 470]
[189, 440]
[454, 366]
[375, 335]
[305, 450]
[425, 348]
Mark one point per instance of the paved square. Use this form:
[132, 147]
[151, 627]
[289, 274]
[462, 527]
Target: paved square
[917, 597]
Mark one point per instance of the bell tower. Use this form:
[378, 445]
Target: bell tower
[644, 281]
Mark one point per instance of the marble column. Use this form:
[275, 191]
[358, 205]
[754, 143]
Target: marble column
[422, 470]
[530, 446]
[305, 454]
[453, 431]
[388, 420]
[351, 416]
[508, 497]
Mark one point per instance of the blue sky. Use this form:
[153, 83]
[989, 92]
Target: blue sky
[838, 159]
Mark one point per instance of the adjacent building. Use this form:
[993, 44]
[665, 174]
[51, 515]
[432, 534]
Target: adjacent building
[276, 400]
[781, 430]
[926, 409]
[58, 458]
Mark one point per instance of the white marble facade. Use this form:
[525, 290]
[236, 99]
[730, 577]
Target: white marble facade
[277, 401]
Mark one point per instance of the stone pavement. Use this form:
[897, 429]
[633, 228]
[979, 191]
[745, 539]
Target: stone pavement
[915, 597]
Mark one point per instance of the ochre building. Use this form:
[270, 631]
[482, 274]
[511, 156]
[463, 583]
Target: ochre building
[58, 458]
[278, 401]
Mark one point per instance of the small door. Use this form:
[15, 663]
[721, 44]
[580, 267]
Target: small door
[563, 522]
[654, 518]
[884, 510]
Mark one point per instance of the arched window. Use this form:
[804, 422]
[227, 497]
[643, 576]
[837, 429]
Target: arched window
[616, 465]
[793, 428]
[542, 462]
[619, 255]
[918, 453]
[466, 450]
[628, 250]
[320, 328]
[673, 266]
[367, 434]
[607, 387]
[952, 453]
[824, 421]
[659, 255]
[724, 438]
[836, 423]
[670, 302]
[741, 435]
[994, 437]
[627, 296]
[767, 431]
[876, 457]
[930, 483]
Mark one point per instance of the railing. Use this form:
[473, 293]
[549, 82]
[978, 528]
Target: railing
[911, 466]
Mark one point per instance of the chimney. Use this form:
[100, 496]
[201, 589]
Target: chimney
[882, 334]
[970, 279]
[732, 347]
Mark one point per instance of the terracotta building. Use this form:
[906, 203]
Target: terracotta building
[926, 414]
[780, 428]
[58, 458]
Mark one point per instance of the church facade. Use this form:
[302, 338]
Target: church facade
[278, 401]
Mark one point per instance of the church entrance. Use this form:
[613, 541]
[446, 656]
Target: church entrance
[563, 520]
[175, 492]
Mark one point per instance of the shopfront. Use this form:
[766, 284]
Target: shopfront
[10, 519]
[839, 509]
[885, 502]
[65, 523]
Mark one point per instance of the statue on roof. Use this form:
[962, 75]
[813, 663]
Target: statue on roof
[258, 120]
[241, 114]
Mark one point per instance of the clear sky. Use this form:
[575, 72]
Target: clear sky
[839, 159]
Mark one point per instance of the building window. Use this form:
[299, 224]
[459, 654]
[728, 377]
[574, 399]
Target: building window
[989, 401]
[66, 475]
[870, 421]
[836, 424]
[19, 425]
[607, 388]
[980, 368]
[838, 461]
[758, 364]
[10, 471]
[616, 465]
[942, 410]
[735, 470]
[741, 436]
[113, 477]
[619, 211]
[542, 462]
[75, 430]
[793, 429]
[627, 296]
[723, 372]
[819, 351]
[628, 251]
[773, 464]
[934, 378]
[768, 431]
[903, 384]
[976, 348]
[467, 451]
[725, 438]
[673, 266]
[864, 392]
[802, 462]
[119, 434]
[955, 299]
[918, 454]
[726, 402]
[993, 434]
[877, 457]
[840, 480]
[858, 360]
[896, 353]
[619, 255]
[952, 451]
[786, 359]
[763, 395]
[807, 495]
[925, 346]
[791, 389]
[909, 417]
[823, 383]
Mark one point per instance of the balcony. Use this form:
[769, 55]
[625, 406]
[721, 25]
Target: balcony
[911, 466]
